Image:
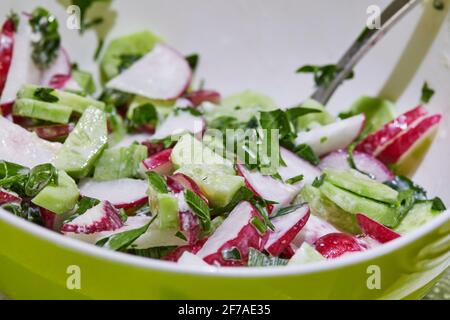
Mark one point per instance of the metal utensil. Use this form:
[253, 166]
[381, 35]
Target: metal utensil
[365, 41]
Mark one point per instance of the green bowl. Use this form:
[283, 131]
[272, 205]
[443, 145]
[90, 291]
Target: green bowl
[36, 263]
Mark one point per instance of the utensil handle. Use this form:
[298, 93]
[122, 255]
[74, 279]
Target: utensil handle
[365, 41]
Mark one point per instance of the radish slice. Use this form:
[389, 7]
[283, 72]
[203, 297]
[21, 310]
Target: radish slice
[176, 124]
[334, 245]
[20, 146]
[59, 73]
[376, 230]
[200, 96]
[159, 163]
[337, 135]
[235, 233]
[9, 197]
[162, 74]
[6, 51]
[363, 161]
[401, 146]
[268, 188]
[129, 139]
[22, 70]
[123, 193]
[296, 166]
[313, 230]
[376, 142]
[286, 229]
[51, 220]
[190, 259]
[53, 132]
[178, 252]
[102, 217]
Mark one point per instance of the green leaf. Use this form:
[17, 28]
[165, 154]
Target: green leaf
[85, 204]
[199, 208]
[115, 98]
[297, 112]
[193, 60]
[45, 94]
[84, 6]
[24, 210]
[14, 18]
[140, 115]
[401, 183]
[259, 259]
[427, 93]
[46, 48]
[278, 119]
[324, 74]
[127, 60]
[231, 254]
[306, 152]
[157, 182]
[153, 253]
[286, 210]
[318, 181]
[259, 225]
[295, 179]
[121, 241]
[39, 177]
[438, 204]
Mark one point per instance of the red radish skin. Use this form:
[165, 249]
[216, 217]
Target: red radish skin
[288, 252]
[374, 143]
[178, 252]
[53, 132]
[392, 153]
[59, 81]
[153, 147]
[375, 230]
[334, 245]
[59, 73]
[287, 228]
[6, 108]
[190, 224]
[131, 205]
[103, 217]
[363, 161]
[8, 197]
[51, 220]
[235, 232]
[6, 51]
[200, 96]
[314, 229]
[159, 163]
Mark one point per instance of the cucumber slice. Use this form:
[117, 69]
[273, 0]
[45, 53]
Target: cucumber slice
[84, 144]
[190, 151]
[60, 198]
[52, 112]
[168, 211]
[326, 209]
[76, 102]
[420, 214]
[138, 43]
[305, 254]
[85, 81]
[356, 182]
[120, 163]
[217, 182]
[354, 204]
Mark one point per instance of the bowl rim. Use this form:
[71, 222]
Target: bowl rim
[256, 272]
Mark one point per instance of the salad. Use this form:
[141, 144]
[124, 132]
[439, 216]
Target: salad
[150, 164]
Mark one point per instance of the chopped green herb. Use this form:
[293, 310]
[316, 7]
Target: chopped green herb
[427, 93]
[401, 183]
[127, 60]
[46, 49]
[243, 194]
[318, 181]
[323, 75]
[84, 6]
[199, 208]
[153, 253]
[259, 259]
[231, 254]
[24, 210]
[121, 241]
[14, 18]
[39, 177]
[157, 182]
[99, 48]
[193, 60]
[438, 5]
[295, 179]
[259, 225]
[323, 139]
[180, 235]
[286, 210]
[45, 94]
[85, 204]
[438, 204]
[141, 115]
[306, 152]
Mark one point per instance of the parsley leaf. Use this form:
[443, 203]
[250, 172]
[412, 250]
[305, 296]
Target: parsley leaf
[306, 152]
[46, 49]
[438, 204]
[157, 182]
[45, 94]
[193, 60]
[427, 93]
[323, 75]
